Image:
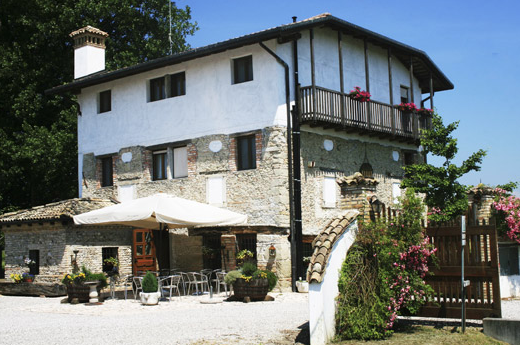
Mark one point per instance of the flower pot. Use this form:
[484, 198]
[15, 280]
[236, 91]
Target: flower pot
[80, 291]
[149, 298]
[302, 286]
[255, 289]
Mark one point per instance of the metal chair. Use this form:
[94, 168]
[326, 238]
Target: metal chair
[197, 279]
[219, 280]
[136, 285]
[127, 282]
[169, 284]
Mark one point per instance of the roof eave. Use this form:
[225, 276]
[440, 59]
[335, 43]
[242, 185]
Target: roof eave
[339, 24]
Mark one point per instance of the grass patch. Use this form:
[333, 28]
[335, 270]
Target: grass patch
[429, 335]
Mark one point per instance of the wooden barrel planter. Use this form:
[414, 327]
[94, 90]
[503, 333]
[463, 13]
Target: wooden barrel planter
[255, 289]
[81, 292]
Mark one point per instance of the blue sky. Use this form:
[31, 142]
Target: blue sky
[475, 43]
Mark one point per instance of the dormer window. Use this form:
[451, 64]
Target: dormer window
[243, 69]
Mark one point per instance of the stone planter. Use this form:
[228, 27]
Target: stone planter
[255, 289]
[149, 298]
[302, 286]
[81, 292]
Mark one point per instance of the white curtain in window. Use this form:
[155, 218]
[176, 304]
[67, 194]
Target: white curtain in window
[180, 161]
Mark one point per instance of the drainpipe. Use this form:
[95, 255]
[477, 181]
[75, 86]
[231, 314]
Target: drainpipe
[293, 210]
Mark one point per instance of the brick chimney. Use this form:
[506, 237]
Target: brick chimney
[89, 51]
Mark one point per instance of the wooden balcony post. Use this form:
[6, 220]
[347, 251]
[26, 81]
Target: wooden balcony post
[367, 81]
[431, 91]
[313, 76]
[341, 79]
[391, 89]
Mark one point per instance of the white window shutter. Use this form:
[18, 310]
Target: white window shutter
[180, 162]
[329, 191]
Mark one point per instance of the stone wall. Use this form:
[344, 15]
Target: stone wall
[56, 243]
[344, 159]
[267, 183]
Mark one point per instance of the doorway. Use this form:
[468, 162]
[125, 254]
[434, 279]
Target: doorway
[143, 254]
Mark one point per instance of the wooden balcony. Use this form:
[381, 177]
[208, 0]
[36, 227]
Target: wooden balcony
[321, 107]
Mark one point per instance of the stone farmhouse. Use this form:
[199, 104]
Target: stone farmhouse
[262, 124]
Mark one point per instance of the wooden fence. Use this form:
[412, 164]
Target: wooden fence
[481, 268]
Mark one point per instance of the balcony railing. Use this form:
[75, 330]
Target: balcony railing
[330, 108]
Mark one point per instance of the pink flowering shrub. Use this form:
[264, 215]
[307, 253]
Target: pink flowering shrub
[359, 95]
[508, 209]
[383, 274]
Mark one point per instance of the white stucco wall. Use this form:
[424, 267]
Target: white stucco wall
[322, 296]
[510, 286]
[213, 105]
[327, 66]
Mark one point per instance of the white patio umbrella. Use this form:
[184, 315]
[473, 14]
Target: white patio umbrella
[153, 211]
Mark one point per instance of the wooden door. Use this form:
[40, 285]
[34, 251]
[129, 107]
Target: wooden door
[143, 254]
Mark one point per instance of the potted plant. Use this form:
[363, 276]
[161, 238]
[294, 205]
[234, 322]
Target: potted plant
[302, 285]
[249, 281]
[407, 107]
[359, 95]
[425, 111]
[76, 287]
[111, 266]
[17, 278]
[150, 294]
[27, 277]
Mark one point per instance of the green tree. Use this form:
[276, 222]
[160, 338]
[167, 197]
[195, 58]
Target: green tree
[38, 152]
[445, 196]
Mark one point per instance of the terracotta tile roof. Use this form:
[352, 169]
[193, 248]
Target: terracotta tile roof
[325, 241]
[357, 179]
[58, 210]
[90, 29]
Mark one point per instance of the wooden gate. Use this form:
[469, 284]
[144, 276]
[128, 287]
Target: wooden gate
[480, 268]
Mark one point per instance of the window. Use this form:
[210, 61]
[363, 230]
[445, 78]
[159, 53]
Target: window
[246, 152]
[211, 251]
[180, 162]
[34, 255]
[396, 192]
[247, 241]
[177, 84]
[105, 101]
[157, 89]
[243, 69]
[107, 253]
[409, 158]
[215, 190]
[160, 163]
[404, 94]
[508, 257]
[106, 172]
[329, 192]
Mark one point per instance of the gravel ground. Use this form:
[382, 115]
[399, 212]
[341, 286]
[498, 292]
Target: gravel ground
[34, 320]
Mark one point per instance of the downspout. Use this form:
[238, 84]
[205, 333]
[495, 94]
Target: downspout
[289, 149]
[293, 155]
